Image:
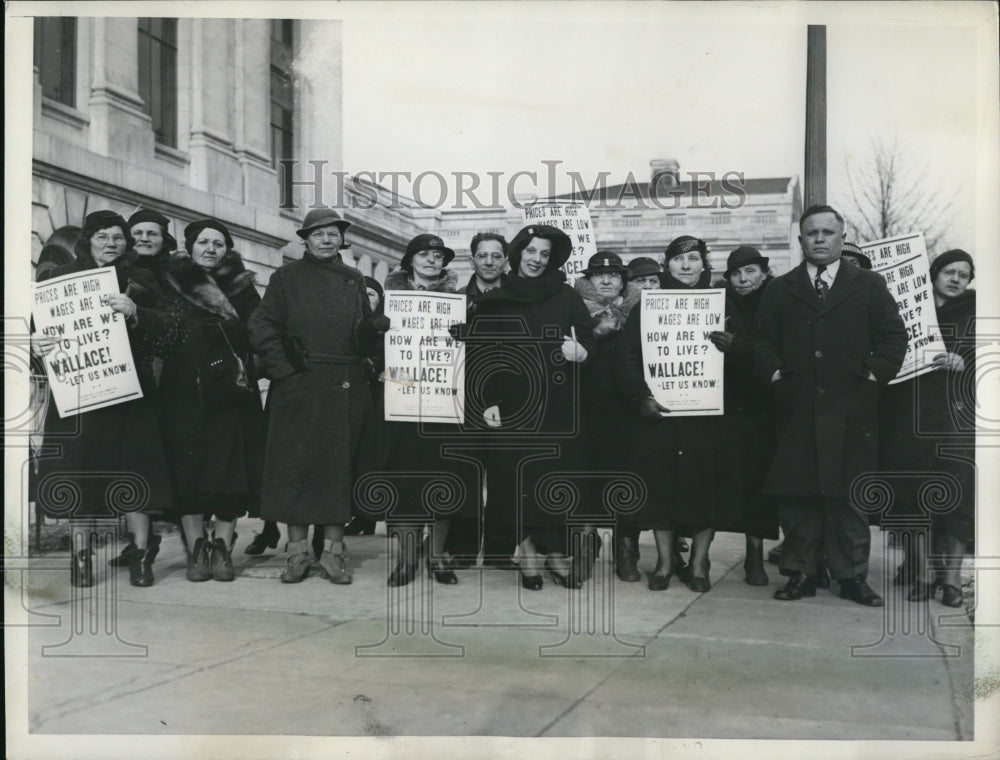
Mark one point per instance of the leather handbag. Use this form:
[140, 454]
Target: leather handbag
[222, 378]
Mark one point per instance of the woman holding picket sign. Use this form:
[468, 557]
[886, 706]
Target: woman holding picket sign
[210, 408]
[690, 464]
[927, 432]
[111, 457]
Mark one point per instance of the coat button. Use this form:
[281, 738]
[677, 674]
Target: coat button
[818, 354]
[820, 389]
[680, 453]
[345, 385]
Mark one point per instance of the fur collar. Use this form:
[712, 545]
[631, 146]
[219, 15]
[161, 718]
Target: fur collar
[210, 292]
[447, 282]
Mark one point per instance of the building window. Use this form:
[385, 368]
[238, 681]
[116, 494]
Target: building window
[765, 217]
[55, 58]
[282, 90]
[672, 220]
[719, 219]
[158, 75]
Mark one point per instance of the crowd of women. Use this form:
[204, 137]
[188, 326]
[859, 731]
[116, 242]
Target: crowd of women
[202, 337]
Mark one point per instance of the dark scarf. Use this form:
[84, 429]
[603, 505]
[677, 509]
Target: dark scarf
[447, 282]
[473, 291]
[748, 304]
[526, 289]
[210, 291]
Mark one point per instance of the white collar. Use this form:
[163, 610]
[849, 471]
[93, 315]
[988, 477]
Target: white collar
[829, 275]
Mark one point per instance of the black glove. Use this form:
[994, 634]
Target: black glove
[649, 409]
[458, 331]
[380, 324]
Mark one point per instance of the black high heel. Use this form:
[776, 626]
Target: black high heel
[263, 541]
[532, 582]
[438, 567]
[658, 581]
[951, 596]
[566, 581]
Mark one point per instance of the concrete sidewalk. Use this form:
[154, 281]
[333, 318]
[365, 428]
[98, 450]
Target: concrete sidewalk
[485, 657]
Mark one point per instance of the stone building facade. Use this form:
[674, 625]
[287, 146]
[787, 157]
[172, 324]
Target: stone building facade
[191, 117]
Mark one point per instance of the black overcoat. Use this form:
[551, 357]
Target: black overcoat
[825, 404]
[521, 326]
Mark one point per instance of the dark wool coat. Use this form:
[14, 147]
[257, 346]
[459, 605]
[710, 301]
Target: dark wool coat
[826, 407]
[927, 428]
[86, 454]
[693, 474]
[521, 326]
[605, 414]
[316, 415]
[750, 415]
[216, 454]
[413, 453]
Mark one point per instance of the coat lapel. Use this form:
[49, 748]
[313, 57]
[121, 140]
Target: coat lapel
[842, 289]
[802, 287]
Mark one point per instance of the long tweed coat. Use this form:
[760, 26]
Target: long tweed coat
[316, 416]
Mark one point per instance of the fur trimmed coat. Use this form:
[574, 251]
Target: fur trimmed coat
[216, 454]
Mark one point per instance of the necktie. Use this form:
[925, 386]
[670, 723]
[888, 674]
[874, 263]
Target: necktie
[821, 287]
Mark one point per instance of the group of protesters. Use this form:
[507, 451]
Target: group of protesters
[556, 407]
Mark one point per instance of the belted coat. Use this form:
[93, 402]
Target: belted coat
[825, 403]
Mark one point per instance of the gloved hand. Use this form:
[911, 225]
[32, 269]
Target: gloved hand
[492, 416]
[722, 340]
[380, 323]
[650, 409]
[458, 330]
[573, 351]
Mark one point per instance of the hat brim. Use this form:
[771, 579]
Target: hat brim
[305, 232]
[644, 272]
[614, 269]
[407, 260]
[762, 260]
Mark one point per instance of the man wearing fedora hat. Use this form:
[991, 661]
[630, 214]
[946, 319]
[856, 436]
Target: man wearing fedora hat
[306, 333]
[852, 254]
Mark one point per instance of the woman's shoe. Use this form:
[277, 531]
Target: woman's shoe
[140, 565]
[360, 526]
[922, 591]
[333, 564]
[532, 582]
[441, 571]
[222, 562]
[625, 559]
[300, 560]
[261, 542]
[951, 596]
[122, 560]
[658, 581]
[403, 574]
[699, 584]
[81, 569]
[566, 581]
[755, 573]
[199, 568]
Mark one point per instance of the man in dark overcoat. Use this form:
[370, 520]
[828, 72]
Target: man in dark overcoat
[827, 336]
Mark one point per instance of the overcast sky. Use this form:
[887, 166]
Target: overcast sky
[609, 87]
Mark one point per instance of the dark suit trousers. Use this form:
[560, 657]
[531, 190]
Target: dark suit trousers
[814, 525]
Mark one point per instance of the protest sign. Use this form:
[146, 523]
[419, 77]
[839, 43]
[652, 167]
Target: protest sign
[682, 367]
[424, 365]
[574, 220]
[902, 262]
[91, 366]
